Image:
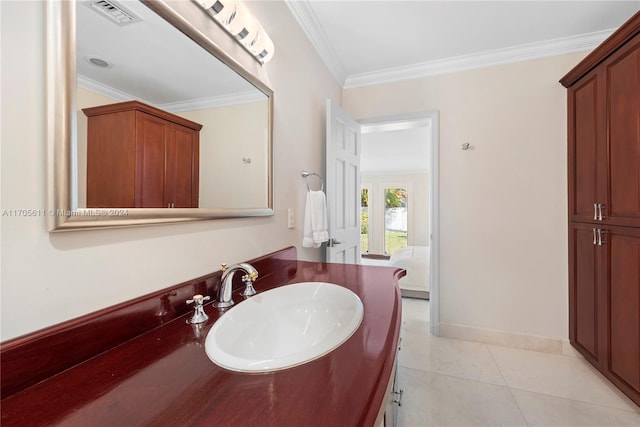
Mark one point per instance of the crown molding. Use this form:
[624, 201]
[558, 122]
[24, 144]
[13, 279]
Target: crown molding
[108, 91]
[580, 43]
[216, 101]
[173, 107]
[307, 19]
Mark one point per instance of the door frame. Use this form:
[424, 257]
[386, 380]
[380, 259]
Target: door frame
[434, 202]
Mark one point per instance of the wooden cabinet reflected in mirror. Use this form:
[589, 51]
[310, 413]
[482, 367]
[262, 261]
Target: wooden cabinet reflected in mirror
[139, 156]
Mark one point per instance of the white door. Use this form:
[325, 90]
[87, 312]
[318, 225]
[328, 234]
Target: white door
[343, 186]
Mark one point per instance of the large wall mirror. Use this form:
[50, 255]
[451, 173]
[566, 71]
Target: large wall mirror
[150, 121]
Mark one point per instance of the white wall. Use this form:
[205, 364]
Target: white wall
[49, 278]
[503, 259]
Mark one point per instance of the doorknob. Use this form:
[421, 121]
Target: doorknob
[332, 242]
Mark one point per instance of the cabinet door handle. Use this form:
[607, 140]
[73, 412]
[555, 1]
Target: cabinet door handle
[600, 237]
[595, 237]
[600, 206]
[595, 212]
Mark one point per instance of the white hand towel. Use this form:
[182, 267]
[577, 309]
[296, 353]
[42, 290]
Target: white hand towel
[315, 220]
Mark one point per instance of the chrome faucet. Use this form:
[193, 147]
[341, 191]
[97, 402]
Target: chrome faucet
[226, 283]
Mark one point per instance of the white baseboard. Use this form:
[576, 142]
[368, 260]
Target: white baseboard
[508, 339]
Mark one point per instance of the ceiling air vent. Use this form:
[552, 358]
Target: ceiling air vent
[115, 11]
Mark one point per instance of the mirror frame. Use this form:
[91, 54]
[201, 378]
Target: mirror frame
[62, 211]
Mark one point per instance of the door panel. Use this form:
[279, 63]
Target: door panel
[343, 186]
[182, 180]
[150, 171]
[623, 80]
[584, 305]
[111, 160]
[583, 141]
[623, 256]
[352, 197]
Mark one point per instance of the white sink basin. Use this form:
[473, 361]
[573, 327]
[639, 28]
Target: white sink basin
[284, 327]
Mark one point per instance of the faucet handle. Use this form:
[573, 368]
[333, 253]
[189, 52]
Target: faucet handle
[198, 299]
[199, 316]
[251, 276]
[223, 267]
[248, 280]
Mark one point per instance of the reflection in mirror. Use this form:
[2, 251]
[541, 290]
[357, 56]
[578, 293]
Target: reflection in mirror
[135, 55]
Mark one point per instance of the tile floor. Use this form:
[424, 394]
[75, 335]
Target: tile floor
[449, 382]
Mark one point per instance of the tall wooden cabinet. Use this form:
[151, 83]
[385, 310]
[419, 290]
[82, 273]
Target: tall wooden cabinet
[604, 207]
[139, 156]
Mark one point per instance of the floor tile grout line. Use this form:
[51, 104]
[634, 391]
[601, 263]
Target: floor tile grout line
[583, 402]
[586, 364]
[453, 376]
[506, 384]
[511, 390]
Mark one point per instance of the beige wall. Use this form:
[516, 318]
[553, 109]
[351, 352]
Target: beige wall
[503, 247]
[230, 134]
[48, 278]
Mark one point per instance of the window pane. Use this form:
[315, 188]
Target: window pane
[364, 222]
[395, 219]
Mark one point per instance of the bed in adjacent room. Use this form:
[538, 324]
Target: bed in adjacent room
[415, 260]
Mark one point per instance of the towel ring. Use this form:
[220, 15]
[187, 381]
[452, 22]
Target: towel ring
[306, 176]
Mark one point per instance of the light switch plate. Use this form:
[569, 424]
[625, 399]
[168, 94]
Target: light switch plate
[291, 218]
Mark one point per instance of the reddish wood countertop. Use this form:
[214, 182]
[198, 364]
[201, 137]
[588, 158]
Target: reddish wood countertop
[164, 378]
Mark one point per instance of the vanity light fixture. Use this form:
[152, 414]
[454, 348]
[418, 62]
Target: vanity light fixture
[235, 19]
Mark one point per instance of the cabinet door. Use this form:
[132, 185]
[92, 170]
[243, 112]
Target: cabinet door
[585, 293]
[182, 167]
[586, 153]
[622, 252]
[111, 160]
[623, 120]
[150, 158]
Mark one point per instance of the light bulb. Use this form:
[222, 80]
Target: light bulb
[221, 10]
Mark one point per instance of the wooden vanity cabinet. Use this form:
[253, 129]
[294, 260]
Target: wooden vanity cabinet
[139, 156]
[394, 399]
[604, 207]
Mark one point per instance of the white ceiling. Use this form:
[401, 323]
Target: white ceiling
[365, 42]
[410, 150]
[152, 61]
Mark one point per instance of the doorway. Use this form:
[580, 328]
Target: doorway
[400, 199]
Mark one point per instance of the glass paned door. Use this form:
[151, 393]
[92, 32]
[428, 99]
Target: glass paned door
[364, 220]
[395, 219]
